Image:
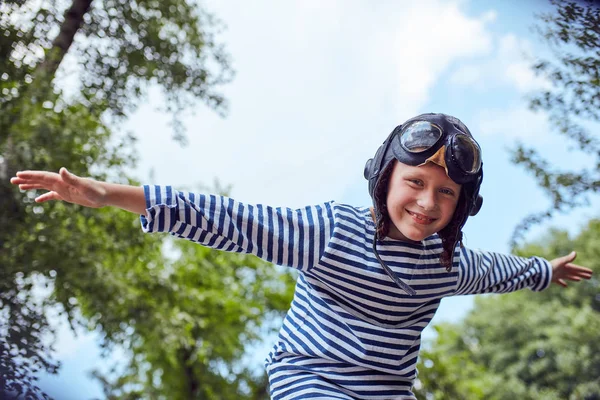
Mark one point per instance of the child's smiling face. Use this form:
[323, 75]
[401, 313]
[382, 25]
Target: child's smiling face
[420, 200]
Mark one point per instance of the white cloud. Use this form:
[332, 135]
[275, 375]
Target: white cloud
[319, 86]
[518, 58]
[516, 123]
[415, 44]
[523, 77]
[509, 66]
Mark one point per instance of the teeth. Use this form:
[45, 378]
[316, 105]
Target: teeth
[420, 217]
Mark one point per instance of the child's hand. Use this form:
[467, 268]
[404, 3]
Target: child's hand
[62, 186]
[563, 270]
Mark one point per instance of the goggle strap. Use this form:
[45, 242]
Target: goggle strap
[404, 286]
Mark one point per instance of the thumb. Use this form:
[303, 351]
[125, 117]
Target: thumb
[569, 257]
[68, 177]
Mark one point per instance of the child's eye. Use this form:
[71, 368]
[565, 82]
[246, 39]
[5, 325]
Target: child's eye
[447, 191]
[417, 182]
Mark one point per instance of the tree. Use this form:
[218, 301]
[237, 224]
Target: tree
[540, 345]
[525, 345]
[119, 47]
[572, 32]
[94, 265]
[190, 329]
[447, 369]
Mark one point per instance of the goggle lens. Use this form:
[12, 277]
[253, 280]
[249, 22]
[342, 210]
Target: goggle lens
[420, 136]
[466, 153]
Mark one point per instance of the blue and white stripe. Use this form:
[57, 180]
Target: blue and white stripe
[292, 238]
[350, 333]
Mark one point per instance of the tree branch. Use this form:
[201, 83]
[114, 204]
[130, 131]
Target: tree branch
[61, 44]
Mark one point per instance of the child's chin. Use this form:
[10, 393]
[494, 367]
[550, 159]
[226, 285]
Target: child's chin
[416, 235]
[416, 238]
[408, 235]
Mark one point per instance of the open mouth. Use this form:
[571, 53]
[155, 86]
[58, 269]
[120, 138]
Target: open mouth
[420, 218]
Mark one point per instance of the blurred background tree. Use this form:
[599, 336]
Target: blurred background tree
[70, 72]
[524, 345]
[572, 102]
[540, 345]
[189, 324]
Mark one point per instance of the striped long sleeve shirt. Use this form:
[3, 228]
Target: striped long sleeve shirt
[351, 332]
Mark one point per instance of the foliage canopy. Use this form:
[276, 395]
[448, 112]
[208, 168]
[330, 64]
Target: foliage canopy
[524, 345]
[572, 32]
[70, 71]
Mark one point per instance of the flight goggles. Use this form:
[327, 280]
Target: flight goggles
[419, 140]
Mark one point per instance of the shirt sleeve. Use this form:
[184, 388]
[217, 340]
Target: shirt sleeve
[293, 238]
[487, 272]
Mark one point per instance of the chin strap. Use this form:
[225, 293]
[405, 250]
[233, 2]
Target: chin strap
[404, 286]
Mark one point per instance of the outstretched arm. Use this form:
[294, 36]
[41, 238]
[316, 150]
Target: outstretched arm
[295, 238]
[87, 192]
[564, 270]
[485, 272]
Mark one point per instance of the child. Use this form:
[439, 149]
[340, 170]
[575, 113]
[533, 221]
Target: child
[370, 279]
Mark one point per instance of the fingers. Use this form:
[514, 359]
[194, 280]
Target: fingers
[571, 277]
[29, 180]
[571, 272]
[562, 282]
[47, 197]
[34, 177]
[574, 269]
[31, 186]
[578, 276]
[38, 180]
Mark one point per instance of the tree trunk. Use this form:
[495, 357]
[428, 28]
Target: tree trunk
[44, 73]
[193, 384]
[64, 40]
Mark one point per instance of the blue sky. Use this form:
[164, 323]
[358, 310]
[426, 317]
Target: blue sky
[319, 86]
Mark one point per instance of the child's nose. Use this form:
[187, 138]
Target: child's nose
[427, 200]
